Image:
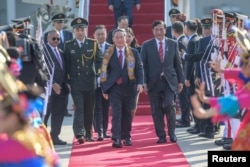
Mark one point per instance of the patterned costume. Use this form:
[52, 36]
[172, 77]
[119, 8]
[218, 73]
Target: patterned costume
[230, 105]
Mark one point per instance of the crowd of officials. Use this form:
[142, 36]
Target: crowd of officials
[112, 69]
[96, 77]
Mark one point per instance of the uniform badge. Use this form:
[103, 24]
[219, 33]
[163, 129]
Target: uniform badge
[72, 51]
[90, 50]
[78, 20]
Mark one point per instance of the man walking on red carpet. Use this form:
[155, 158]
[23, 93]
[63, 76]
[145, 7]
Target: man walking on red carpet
[122, 78]
[163, 79]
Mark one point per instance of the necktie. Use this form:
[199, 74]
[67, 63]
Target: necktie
[81, 44]
[62, 37]
[58, 58]
[120, 57]
[119, 81]
[101, 47]
[161, 51]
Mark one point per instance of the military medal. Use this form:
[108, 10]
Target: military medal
[82, 61]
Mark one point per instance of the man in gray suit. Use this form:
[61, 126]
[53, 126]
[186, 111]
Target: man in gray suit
[163, 79]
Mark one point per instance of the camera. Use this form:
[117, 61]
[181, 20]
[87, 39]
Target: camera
[33, 68]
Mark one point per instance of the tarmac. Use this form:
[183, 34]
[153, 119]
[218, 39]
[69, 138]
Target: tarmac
[194, 148]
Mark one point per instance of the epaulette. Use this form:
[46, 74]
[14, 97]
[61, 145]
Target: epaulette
[91, 39]
[68, 41]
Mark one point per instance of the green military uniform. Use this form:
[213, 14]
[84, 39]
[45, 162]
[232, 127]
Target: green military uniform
[82, 64]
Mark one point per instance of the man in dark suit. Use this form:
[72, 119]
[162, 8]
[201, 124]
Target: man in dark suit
[83, 60]
[122, 24]
[58, 23]
[181, 39]
[192, 47]
[173, 18]
[101, 115]
[120, 7]
[56, 104]
[163, 79]
[122, 79]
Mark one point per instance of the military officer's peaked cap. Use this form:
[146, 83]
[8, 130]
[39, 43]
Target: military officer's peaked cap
[206, 22]
[60, 17]
[79, 22]
[173, 12]
[230, 17]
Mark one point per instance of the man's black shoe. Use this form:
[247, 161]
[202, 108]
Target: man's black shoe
[106, 136]
[80, 139]
[223, 141]
[191, 129]
[68, 115]
[127, 142]
[181, 125]
[100, 138]
[195, 131]
[117, 143]
[227, 146]
[178, 121]
[207, 135]
[173, 138]
[59, 142]
[89, 139]
[161, 140]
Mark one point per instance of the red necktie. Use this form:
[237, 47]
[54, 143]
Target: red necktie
[119, 81]
[161, 51]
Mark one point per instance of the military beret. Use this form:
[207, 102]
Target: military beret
[60, 17]
[206, 22]
[173, 12]
[79, 22]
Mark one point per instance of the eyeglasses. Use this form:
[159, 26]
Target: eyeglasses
[54, 38]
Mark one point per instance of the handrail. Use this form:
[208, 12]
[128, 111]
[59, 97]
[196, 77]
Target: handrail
[84, 9]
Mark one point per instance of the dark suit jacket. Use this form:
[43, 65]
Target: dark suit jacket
[109, 37]
[67, 35]
[169, 32]
[190, 65]
[202, 47]
[171, 66]
[114, 71]
[182, 45]
[59, 73]
[127, 3]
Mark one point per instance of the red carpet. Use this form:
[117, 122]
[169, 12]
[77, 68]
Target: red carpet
[144, 152]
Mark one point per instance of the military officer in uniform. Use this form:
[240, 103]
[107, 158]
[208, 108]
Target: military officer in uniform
[83, 59]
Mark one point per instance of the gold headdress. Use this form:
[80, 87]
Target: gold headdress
[8, 85]
[243, 40]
